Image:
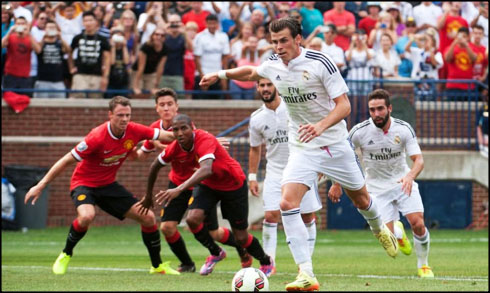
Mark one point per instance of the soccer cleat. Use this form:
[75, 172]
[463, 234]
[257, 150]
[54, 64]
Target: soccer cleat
[211, 261]
[425, 272]
[303, 282]
[269, 269]
[61, 264]
[388, 240]
[246, 260]
[404, 243]
[187, 268]
[164, 269]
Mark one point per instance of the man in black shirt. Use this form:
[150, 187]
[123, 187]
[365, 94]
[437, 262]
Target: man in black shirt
[91, 68]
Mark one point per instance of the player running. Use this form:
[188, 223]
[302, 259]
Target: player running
[220, 179]
[93, 182]
[383, 141]
[316, 97]
[269, 125]
[167, 108]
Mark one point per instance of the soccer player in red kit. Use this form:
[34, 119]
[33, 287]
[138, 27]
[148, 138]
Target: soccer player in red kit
[167, 108]
[99, 156]
[220, 178]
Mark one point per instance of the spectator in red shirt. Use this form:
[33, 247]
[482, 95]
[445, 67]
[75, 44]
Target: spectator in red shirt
[369, 22]
[480, 70]
[189, 61]
[460, 58]
[19, 44]
[344, 21]
[197, 14]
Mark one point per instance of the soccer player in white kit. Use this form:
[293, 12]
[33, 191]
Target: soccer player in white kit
[383, 141]
[315, 94]
[269, 125]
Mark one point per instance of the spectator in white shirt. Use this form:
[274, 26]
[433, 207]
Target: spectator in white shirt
[360, 58]
[70, 24]
[328, 47]
[211, 51]
[37, 32]
[21, 11]
[482, 19]
[386, 58]
[426, 15]
[149, 20]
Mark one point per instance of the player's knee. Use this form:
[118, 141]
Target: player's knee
[241, 237]
[215, 235]
[272, 217]
[86, 219]
[286, 205]
[308, 218]
[193, 221]
[168, 228]
[147, 220]
[418, 227]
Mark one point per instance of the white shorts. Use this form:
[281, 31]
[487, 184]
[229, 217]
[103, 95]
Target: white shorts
[338, 161]
[272, 197]
[392, 202]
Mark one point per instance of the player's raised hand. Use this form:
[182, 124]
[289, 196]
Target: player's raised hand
[145, 204]
[209, 79]
[407, 182]
[308, 132]
[335, 192]
[33, 194]
[254, 187]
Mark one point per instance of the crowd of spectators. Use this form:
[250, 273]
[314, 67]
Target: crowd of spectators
[142, 46]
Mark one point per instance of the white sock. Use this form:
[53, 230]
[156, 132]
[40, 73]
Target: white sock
[296, 235]
[307, 268]
[372, 216]
[397, 231]
[422, 245]
[311, 228]
[269, 238]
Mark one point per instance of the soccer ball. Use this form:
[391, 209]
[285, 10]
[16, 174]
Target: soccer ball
[250, 279]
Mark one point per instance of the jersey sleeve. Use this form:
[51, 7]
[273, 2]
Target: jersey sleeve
[263, 69]
[354, 136]
[256, 138]
[146, 132]
[330, 76]
[206, 148]
[411, 145]
[84, 148]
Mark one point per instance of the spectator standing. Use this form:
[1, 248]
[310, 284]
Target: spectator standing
[360, 59]
[460, 58]
[103, 21]
[283, 10]
[386, 24]
[189, 61]
[387, 59]
[20, 10]
[249, 56]
[312, 18]
[131, 33]
[7, 23]
[230, 24]
[180, 8]
[328, 47]
[405, 68]
[92, 65]
[480, 69]
[369, 22]
[358, 8]
[37, 32]
[69, 23]
[175, 44]
[197, 15]
[148, 68]
[50, 63]
[19, 44]
[149, 20]
[211, 50]
[119, 75]
[426, 15]
[482, 130]
[482, 20]
[246, 31]
[344, 21]
[399, 23]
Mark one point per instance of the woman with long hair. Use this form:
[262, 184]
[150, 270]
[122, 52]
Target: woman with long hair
[131, 34]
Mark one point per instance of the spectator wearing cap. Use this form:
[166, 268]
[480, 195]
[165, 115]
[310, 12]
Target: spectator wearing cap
[386, 58]
[197, 15]
[360, 58]
[482, 20]
[312, 18]
[460, 58]
[426, 15]
[328, 47]
[405, 68]
[211, 51]
[344, 21]
[385, 25]
[399, 25]
[369, 22]
[405, 8]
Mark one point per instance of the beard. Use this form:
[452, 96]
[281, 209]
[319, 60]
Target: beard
[272, 96]
[382, 123]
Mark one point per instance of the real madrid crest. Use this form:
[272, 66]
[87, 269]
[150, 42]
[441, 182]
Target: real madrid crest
[306, 75]
[128, 144]
[397, 139]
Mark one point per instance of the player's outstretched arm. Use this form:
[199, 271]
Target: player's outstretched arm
[55, 170]
[205, 170]
[242, 73]
[166, 136]
[147, 202]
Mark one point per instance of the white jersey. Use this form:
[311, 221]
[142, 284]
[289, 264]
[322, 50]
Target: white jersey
[383, 154]
[308, 85]
[271, 127]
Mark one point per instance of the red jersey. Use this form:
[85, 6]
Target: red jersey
[367, 24]
[19, 56]
[460, 67]
[227, 172]
[452, 24]
[148, 145]
[481, 60]
[189, 70]
[101, 154]
[199, 18]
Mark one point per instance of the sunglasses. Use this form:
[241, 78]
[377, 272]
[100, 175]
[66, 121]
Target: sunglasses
[283, 11]
[160, 35]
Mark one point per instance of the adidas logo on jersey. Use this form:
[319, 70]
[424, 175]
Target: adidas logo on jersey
[370, 142]
[278, 77]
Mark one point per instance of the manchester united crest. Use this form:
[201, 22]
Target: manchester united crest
[128, 144]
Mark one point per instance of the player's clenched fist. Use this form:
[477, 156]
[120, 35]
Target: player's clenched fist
[209, 79]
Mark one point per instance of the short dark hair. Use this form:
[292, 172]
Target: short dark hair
[20, 17]
[292, 24]
[183, 117]
[118, 100]
[380, 94]
[332, 27]
[89, 13]
[165, 92]
[477, 26]
[464, 30]
[211, 17]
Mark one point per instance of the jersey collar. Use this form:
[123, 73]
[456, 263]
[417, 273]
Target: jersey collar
[111, 134]
[298, 58]
[379, 129]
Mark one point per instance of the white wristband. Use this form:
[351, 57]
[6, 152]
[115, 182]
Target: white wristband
[222, 74]
[252, 177]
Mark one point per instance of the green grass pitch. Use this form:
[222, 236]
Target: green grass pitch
[115, 259]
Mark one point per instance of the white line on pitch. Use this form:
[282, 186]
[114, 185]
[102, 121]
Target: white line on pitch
[468, 279]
